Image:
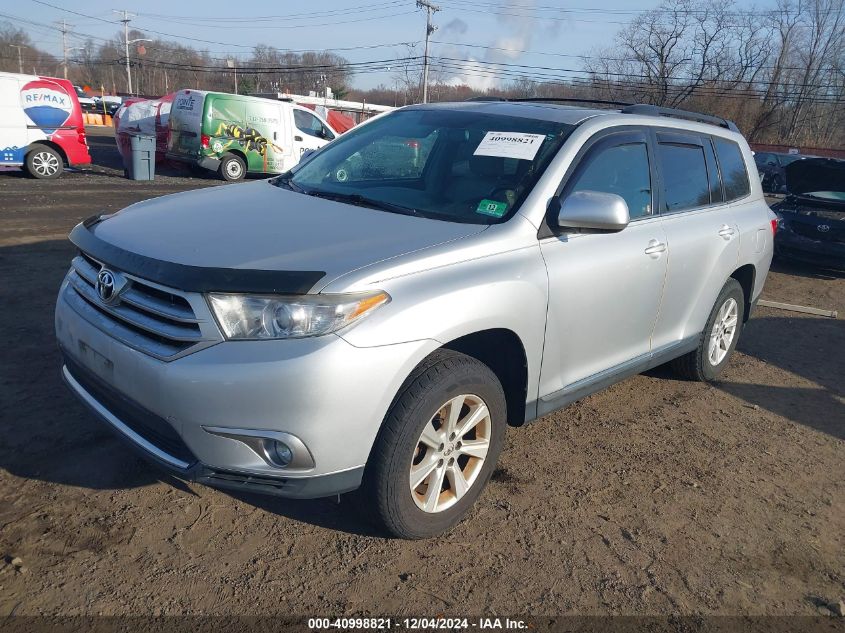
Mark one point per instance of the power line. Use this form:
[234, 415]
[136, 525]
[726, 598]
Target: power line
[526, 12]
[714, 91]
[610, 74]
[204, 41]
[582, 57]
[226, 54]
[627, 11]
[251, 20]
[289, 16]
[52, 28]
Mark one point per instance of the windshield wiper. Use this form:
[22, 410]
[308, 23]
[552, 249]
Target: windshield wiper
[285, 180]
[362, 201]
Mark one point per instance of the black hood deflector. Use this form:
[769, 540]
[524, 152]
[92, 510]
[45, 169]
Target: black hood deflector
[191, 278]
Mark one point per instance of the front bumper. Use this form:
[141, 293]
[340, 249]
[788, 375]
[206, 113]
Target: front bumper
[327, 393]
[184, 465]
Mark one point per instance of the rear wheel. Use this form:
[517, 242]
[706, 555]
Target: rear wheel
[719, 338]
[438, 446]
[44, 162]
[232, 167]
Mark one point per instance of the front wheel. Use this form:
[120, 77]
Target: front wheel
[438, 446]
[719, 338]
[232, 167]
[44, 163]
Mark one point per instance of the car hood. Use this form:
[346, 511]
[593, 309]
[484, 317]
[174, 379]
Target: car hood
[812, 175]
[260, 227]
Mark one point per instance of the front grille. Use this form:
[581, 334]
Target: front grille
[156, 430]
[161, 322]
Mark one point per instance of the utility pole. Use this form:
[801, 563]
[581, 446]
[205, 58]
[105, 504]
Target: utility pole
[233, 64]
[430, 9]
[20, 59]
[64, 29]
[126, 19]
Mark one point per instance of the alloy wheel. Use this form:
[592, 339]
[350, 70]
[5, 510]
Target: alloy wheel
[45, 164]
[723, 332]
[450, 453]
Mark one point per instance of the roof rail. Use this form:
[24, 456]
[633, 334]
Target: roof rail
[675, 113]
[551, 100]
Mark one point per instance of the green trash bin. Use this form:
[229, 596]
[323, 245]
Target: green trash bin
[142, 165]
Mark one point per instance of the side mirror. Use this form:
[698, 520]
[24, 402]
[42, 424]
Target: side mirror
[594, 210]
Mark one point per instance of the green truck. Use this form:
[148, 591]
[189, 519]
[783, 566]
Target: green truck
[234, 134]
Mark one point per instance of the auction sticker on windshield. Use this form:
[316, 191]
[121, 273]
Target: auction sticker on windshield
[519, 145]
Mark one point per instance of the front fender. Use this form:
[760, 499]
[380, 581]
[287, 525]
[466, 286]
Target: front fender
[507, 290]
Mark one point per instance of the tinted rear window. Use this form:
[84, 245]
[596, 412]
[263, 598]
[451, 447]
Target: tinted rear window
[685, 183]
[734, 174]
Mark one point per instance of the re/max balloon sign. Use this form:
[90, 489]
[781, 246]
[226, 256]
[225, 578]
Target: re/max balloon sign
[47, 104]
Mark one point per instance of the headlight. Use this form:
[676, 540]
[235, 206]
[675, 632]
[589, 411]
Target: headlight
[275, 317]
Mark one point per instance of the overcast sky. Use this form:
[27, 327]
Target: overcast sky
[495, 30]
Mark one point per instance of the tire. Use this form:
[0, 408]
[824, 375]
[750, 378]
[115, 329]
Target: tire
[44, 163]
[232, 168]
[705, 363]
[444, 377]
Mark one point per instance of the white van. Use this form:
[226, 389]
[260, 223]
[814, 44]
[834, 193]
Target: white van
[235, 134]
[41, 127]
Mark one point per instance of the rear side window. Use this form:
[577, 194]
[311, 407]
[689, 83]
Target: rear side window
[734, 174]
[623, 170]
[684, 170]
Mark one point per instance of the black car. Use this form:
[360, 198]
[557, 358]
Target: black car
[811, 219]
[772, 169]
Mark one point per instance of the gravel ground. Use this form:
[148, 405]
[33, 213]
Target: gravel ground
[655, 496]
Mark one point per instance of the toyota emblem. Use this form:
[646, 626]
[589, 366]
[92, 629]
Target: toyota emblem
[823, 228]
[107, 285]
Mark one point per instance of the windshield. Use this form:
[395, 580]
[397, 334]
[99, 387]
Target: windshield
[790, 158]
[450, 165]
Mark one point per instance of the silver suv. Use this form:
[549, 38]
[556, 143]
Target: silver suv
[375, 317]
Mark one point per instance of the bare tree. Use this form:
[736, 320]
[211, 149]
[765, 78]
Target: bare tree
[777, 72]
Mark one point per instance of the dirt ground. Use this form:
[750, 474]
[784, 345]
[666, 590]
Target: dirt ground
[656, 496]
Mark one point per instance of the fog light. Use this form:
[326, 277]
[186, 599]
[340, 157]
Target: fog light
[280, 453]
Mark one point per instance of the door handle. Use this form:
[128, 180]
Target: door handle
[726, 232]
[297, 138]
[275, 136]
[654, 248]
